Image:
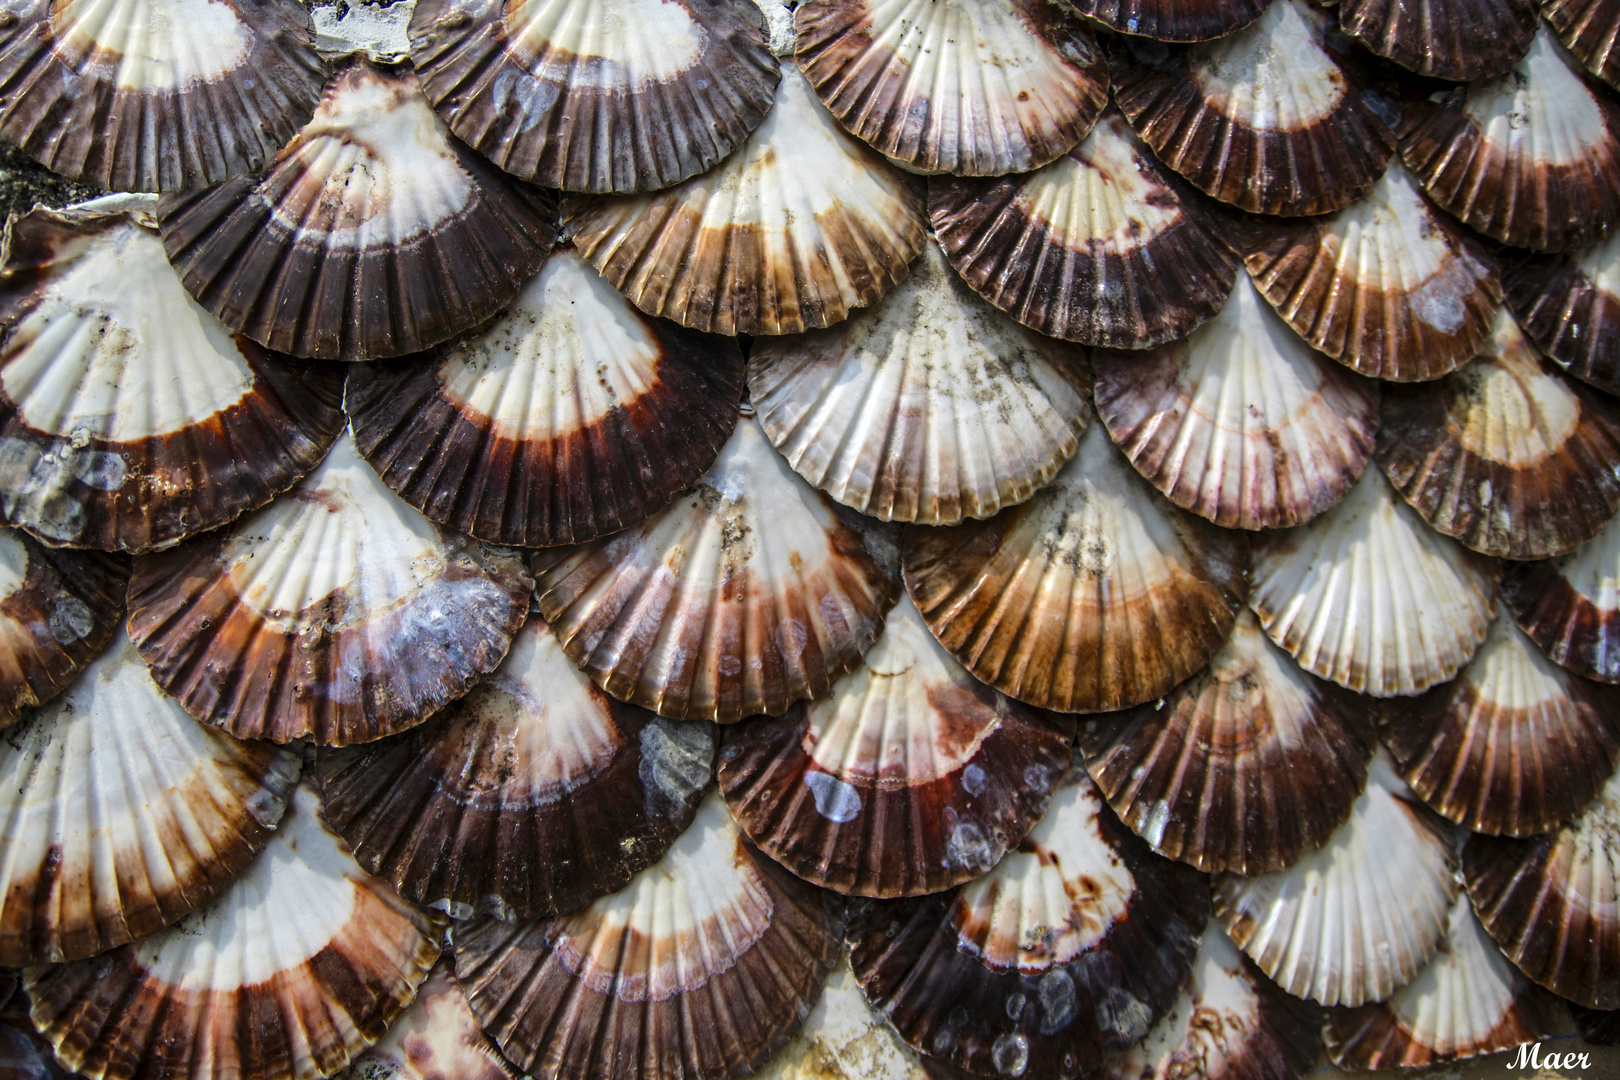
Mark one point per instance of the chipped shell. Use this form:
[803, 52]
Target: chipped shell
[596, 95]
[971, 87]
[1101, 247]
[437, 1038]
[752, 591]
[1514, 746]
[155, 95]
[700, 968]
[1265, 119]
[570, 416]
[844, 1038]
[1241, 423]
[930, 406]
[793, 231]
[1530, 158]
[1461, 40]
[293, 970]
[123, 814]
[910, 777]
[1569, 305]
[1070, 950]
[1506, 454]
[1590, 29]
[129, 418]
[1387, 286]
[1245, 767]
[337, 613]
[534, 794]
[1092, 596]
[1350, 923]
[1174, 20]
[372, 234]
[1570, 606]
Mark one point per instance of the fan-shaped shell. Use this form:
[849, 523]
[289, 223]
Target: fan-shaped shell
[596, 95]
[798, 227]
[1100, 247]
[1264, 119]
[536, 793]
[1092, 596]
[910, 777]
[1530, 158]
[1241, 423]
[437, 1038]
[971, 87]
[1350, 923]
[931, 406]
[749, 593]
[1507, 454]
[287, 975]
[372, 234]
[1515, 745]
[337, 613]
[58, 610]
[155, 95]
[844, 1038]
[1571, 606]
[1569, 305]
[1070, 950]
[1386, 286]
[699, 969]
[1461, 40]
[123, 814]
[1244, 767]
[1591, 30]
[1368, 596]
[1174, 20]
[129, 418]
[570, 416]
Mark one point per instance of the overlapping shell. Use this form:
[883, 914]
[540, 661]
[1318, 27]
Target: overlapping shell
[1092, 596]
[1100, 247]
[1569, 305]
[337, 613]
[437, 1038]
[570, 416]
[596, 95]
[931, 406]
[129, 418]
[1445, 39]
[1570, 606]
[971, 87]
[751, 592]
[1590, 29]
[1174, 20]
[534, 794]
[798, 227]
[845, 1038]
[372, 234]
[297, 967]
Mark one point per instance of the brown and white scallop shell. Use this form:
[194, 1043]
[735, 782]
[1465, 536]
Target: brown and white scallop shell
[844, 1038]
[1590, 29]
[1174, 20]
[1461, 40]
[1570, 606]
[437, 1038]
[1569, 305]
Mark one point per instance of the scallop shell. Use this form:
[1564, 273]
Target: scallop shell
[1460, 40]
[1468, 1001]
[1069, 951]
[1100, 247]
[930, 407]
[129, 418]
[1531, 158]
[596, 95]
[123, 814]
[699, 969]
[1174, 20]
[372, 234]
[291, 972]
[1092, 596]
[1241, 423]
[795, 229]
[749, 593]
[437, 1038]
[536, 793]
[116, 94]
[1349, 924]
[1591, 30]
[1569, 305]
[844, 1038]
[58, 610]
[1370, 597]
[1515, 745]
[1264, 119]
[1387, 286]
[1507, 454]
[1552, 902]
[971, 87]
[571, 416]
[1230, 1023]
[1570, 607]
[909, 778]
[1245, 767]
[338, 613]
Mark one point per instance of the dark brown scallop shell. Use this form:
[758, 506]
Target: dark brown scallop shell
[1174, 20]
[1567, 605]
[1461, 40]
[1591, 30]
[1569, 305]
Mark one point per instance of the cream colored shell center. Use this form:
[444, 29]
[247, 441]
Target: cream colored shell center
[606, 44]
[1272, 76]
[154, 44]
